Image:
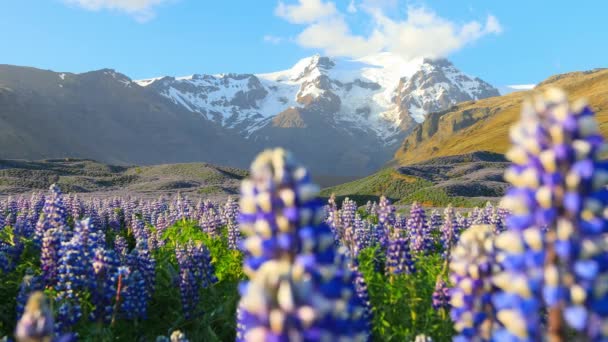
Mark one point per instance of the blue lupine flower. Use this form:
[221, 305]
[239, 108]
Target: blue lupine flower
[73, 278]
[441, 295]
[133, 293]
[557, 222]
[471, 268]
[450, 231]
[386, 212]
[121, 247]
[196, 272]
[297, 288]
[103, 290]
[230, 213]
[54, 214]
[419, 234]
[398, 257]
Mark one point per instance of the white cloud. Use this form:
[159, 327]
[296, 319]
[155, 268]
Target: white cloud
[522, 86]
[334, 37]
[141, 10]
[352, 8]
[422, 33]
[273, 39]
[305, 11]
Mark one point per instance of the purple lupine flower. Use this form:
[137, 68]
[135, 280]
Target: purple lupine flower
[37, 203]
[434, 220]
[72, 280]
[476, 217]
[450, 231]
[386, 213]
[557, 220]
[140, 259]
[115, 218]
[121, 247]
[133, 294]
[234, 235]
[196, 273]
[398, 257]
[297, 288]
[36, 324]
[228, 217]
[471, 268]
[210, 222]
[105, 272]
[162, 223]
[24, 225]
[488, 212]
[441, 295]
[140, 232]
[189, 286]
[462, 221]
[53, 214]
[204, 270]
[348, 212]
[49, 255]
[400, 227]
[50, 232]
[362, 235]
[419, 235]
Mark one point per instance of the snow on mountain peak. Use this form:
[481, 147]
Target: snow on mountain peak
[382, 94]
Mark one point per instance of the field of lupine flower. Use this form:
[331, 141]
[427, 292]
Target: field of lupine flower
[282, 265]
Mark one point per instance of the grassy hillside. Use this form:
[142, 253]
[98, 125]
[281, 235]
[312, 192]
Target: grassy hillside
[463, 180]
[484, 125]
[79, 175]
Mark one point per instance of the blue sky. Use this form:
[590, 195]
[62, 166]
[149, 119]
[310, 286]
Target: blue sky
[503, 42]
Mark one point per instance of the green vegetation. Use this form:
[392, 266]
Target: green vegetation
[402, 304]
[399, 188]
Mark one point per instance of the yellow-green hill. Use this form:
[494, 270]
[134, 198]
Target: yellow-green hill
[484, 124]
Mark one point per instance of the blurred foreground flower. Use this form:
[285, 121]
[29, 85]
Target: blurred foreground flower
[299, 287]
[36, 324]
[554, 253]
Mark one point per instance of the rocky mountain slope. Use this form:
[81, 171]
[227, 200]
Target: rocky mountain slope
[484, 124]
[341, 117]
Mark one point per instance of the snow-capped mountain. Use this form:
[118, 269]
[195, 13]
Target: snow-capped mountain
[339, 117]
[383, 96]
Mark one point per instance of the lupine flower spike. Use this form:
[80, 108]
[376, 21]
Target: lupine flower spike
[471, 269]
[299, 289]
[555, 246]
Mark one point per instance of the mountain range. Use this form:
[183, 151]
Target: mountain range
[453, 156]
[340, 117]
